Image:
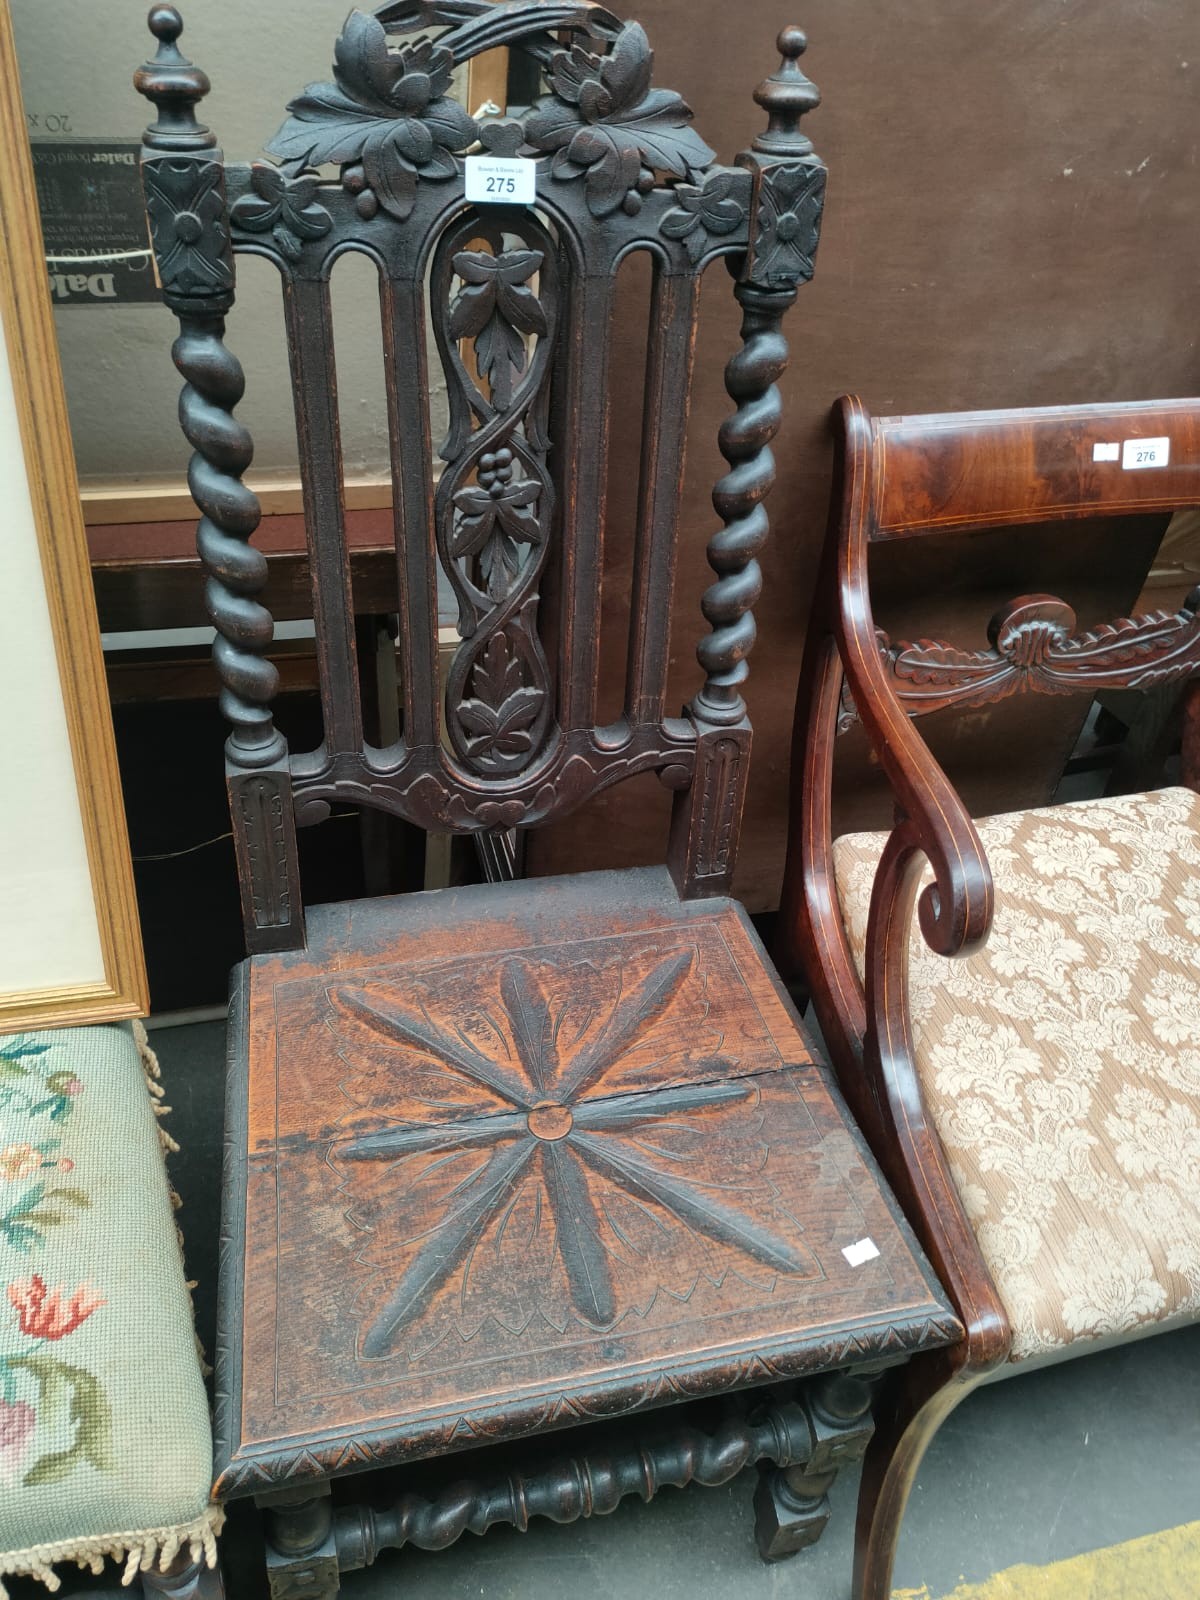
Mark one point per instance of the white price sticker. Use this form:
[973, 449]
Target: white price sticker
[501, 180]
[1106, 452]
[859, 1253]
[1137, 454]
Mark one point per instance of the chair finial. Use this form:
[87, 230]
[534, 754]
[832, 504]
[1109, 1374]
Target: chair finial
[786, 96]
[175, 86]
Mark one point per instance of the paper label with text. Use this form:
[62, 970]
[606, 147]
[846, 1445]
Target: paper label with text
[1137, 454]
[501, 180]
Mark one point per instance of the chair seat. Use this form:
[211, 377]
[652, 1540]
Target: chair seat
[1061, 1064]
[105, 1441]
[507, 1158]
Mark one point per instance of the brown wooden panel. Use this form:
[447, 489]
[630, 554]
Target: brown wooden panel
[308, 317]
[507, 1152]
[147, 575]
[986, 469]
[1000, 231]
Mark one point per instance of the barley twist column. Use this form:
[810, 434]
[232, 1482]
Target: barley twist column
[789, 188]
[229, 515]
[745, 439]
[183, 177]
[591, 1484]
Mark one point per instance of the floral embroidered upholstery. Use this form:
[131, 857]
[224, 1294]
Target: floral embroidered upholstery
[1061, 1064]
[105, 1445]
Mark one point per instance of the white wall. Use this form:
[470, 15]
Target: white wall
[77, 59]
[48, 928]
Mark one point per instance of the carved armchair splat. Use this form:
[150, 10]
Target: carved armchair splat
[1016, 1097]
[532, 1153]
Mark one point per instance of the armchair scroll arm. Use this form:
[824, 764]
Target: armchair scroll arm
[867, 1022]
[955, 911]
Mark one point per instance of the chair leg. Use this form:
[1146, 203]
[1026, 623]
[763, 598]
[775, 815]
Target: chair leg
[791, 1503]
[914, 1403]
[302, 1561]
[184, 1579]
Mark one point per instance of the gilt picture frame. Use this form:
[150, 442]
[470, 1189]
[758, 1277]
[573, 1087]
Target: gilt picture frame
[70, 943]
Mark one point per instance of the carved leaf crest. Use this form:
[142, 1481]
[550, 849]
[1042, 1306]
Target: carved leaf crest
[605, 121]
[387, 115]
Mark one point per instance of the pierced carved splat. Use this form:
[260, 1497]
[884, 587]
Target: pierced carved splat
[512, 737]
[495, 501]
[1034, 649]
[550, 1136]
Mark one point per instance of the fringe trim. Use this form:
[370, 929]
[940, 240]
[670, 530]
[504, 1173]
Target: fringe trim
[141, 1551]
[153, 1075]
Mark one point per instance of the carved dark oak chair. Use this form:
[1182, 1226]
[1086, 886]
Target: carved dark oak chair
[509, 1158]
[1035, 1105]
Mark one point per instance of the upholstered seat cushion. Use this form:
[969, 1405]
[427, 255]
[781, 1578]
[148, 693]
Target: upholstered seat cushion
[105, 1445]
[1061, 1064]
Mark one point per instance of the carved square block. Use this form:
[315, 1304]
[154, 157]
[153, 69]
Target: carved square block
[311, 1577]
[783, 1523]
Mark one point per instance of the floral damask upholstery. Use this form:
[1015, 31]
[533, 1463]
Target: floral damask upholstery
[105, 1443]
[1061, 1064]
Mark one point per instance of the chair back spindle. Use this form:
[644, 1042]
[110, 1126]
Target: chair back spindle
[509, 506]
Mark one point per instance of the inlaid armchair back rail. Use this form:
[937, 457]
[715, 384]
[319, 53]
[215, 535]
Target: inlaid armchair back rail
[902, 478]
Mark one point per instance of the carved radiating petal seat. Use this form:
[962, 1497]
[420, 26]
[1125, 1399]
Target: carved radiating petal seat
[514, 1157]
[1036, 1103]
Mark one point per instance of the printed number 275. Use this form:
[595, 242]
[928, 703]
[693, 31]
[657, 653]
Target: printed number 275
[501, 185]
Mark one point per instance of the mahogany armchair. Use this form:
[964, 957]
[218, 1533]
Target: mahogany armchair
[1035, 1104]
[518, 1156]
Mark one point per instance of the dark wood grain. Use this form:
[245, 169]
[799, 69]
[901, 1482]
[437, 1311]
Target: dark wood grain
[898, 477]
[519, 1155]
[620, 169]
[509, 1158]
[979, 469]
